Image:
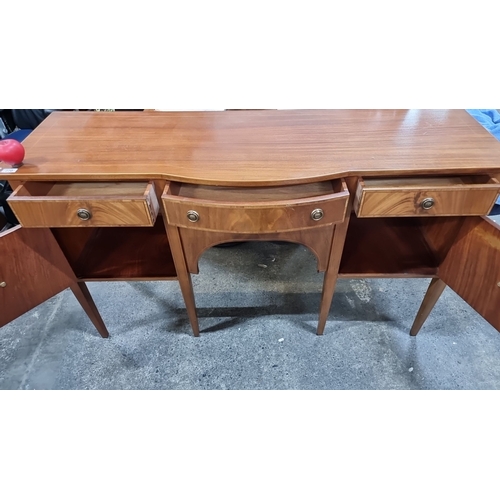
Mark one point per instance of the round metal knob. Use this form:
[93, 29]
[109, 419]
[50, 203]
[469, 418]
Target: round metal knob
[3, 284]
[83, 214]
[193, 216]
[427, 203]
[317, 214]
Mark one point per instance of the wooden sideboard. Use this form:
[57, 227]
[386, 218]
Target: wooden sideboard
[141, 196]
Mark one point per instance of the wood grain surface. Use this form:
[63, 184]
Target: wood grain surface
[403, 197]
[317, 240]
[33, 270]
[440, 233]
[436, 288]
[118, 253]
[257, 148]
[472, 267]
[44, 204]
[258, 210]
[387, 247]
[325, 242]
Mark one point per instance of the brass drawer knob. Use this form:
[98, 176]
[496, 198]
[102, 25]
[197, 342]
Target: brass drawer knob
[83, 214]
[317, 214]
[427, 203]
[193, 216]
[3, 284]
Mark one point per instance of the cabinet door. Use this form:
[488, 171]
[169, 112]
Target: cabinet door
[32, 269]
[472, 267]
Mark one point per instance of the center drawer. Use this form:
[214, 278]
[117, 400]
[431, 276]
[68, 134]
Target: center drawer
[255, 210]
[428, 196]
[85, 204]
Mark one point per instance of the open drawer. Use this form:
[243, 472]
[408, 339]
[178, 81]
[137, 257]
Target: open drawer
[255, 210]
[426, 196]
[85, 204]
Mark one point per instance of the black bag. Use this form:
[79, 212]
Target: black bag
[5, 192]
[29, 118]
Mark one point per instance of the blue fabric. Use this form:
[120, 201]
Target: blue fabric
[19, 135]
[490, 120]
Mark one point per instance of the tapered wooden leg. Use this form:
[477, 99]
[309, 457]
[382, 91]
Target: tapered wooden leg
[83, 296]
[433, 293]
[183, 276]
[331, 274]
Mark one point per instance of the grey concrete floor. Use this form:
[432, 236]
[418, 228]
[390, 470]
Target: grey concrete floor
[258, 332]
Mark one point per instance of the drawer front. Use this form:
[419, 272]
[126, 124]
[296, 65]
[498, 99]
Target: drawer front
[426, 196]
[256, 217]
[85, 204]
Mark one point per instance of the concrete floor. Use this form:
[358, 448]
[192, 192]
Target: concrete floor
[258, 332]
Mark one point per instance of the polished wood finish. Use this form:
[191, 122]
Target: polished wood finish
[257, 148]
[256, 214]
[31, 269]
[254, 210]
[472, 267]
[387, 247]
[325, 242]
[404, 197]
[225, 164]
[317, 240]
[83, 296]
[118, 253]
[45, 204]
[332, 271]
[183, 276]
[235, 196]
[34, 269]
[440, 233]
[436, 288]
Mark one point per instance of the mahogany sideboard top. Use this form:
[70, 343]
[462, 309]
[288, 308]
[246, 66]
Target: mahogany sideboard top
[256, 148]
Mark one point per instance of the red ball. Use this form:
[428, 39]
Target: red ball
[11, 152]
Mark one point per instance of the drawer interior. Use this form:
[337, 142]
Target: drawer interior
[256, 194]
[429, 182]
[81, 189]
